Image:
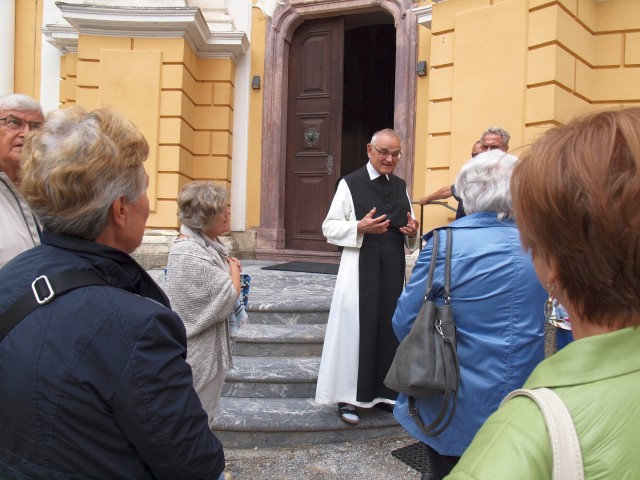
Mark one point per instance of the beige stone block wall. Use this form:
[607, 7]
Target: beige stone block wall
[183, 105]
[471, 86]
[525, 66]
[617, 16]
[588, 67]
[422, 137]
[68, 76]
[129, 82]
[632, 49]
[27, 48]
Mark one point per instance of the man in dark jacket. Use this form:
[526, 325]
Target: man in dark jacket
[94, 381]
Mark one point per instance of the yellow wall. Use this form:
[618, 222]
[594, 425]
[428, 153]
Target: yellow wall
[422, 131]
[182, 104]
[254, 152]
[28, 45]
[524, 66]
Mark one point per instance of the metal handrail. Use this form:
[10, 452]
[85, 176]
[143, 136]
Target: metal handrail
[434, 202]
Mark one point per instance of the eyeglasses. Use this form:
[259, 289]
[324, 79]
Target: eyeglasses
[386, 153]
[17, 123]
[488, 148]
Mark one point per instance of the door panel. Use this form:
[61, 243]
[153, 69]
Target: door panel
[314, 123]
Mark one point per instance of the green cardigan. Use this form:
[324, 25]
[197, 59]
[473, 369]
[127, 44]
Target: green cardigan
[598, 378]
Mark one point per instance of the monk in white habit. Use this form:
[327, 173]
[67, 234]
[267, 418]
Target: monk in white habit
[372, 219]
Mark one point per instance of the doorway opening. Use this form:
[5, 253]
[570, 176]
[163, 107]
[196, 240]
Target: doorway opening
[271, 239]
[368, 84]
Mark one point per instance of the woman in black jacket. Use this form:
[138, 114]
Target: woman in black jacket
[94, 381]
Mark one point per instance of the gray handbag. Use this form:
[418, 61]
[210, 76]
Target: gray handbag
[426, 361]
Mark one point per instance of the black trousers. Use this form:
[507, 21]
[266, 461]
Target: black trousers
[441, 465]
[381, 268]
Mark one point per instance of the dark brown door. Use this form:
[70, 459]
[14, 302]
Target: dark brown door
[314, 124]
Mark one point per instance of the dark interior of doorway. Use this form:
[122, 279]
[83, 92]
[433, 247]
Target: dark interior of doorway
[369, 84]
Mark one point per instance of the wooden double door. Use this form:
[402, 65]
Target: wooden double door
[341, 89]
[314, 126]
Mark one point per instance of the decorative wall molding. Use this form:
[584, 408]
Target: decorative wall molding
[424, 15]
[146, 21]
[63, 37]
[268, 7]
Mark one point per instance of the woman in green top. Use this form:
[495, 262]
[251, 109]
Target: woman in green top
[576, 194]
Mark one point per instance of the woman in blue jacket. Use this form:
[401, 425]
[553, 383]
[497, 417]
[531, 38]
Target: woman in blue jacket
[497, 306]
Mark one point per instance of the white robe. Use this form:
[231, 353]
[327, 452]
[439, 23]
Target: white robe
[338, 375]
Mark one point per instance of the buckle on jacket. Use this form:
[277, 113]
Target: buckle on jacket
[46, 296]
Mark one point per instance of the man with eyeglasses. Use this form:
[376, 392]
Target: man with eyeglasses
[371, 217]
[19, 231]
[492, 138]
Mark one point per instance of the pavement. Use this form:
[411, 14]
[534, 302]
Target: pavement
[362, 460]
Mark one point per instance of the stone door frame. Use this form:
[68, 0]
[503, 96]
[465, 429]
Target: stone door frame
[271, 234]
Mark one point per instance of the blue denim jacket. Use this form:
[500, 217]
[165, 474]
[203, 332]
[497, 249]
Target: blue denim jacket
[497, 305]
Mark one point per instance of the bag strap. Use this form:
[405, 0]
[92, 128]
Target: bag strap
[43, 290]
[447, 269]
[431, 430]
[432, 265]
[567, 456]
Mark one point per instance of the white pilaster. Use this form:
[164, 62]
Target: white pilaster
[241, 14]
[7, 45]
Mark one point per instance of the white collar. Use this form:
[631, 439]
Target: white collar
[373, 173]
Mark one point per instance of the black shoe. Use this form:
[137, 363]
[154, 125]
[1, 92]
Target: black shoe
[348, 414]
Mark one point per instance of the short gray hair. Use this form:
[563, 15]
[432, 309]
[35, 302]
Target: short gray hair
[19, 103]
[77, 164]
[385, 132]
[483, 183]
[497, 131]
[199, 203]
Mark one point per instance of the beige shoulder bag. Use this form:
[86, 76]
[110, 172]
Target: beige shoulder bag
[567, 456]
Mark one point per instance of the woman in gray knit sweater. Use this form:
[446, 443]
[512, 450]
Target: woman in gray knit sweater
[203, 285]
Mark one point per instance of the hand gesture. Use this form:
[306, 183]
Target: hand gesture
[234, 264]
[234, 272]
[368, 224]
[412, 226]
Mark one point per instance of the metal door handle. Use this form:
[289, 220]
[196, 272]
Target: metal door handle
[329, 164]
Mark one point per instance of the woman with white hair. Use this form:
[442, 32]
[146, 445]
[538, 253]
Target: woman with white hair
[496, 302]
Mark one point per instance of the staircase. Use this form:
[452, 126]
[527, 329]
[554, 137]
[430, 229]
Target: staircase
[268, 398]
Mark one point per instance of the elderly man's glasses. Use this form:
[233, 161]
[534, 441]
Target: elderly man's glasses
[385, 153]
[488, 148]
[17, 123]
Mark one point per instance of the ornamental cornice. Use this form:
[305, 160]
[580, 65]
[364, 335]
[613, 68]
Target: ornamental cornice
[63, 37]
[424, 15]
[149, 22]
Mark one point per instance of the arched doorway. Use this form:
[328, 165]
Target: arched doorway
[362, 17]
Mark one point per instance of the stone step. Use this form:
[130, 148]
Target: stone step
[287, 298]
[287, 422]
[272, 377]
[279, 340]
[287, 314]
